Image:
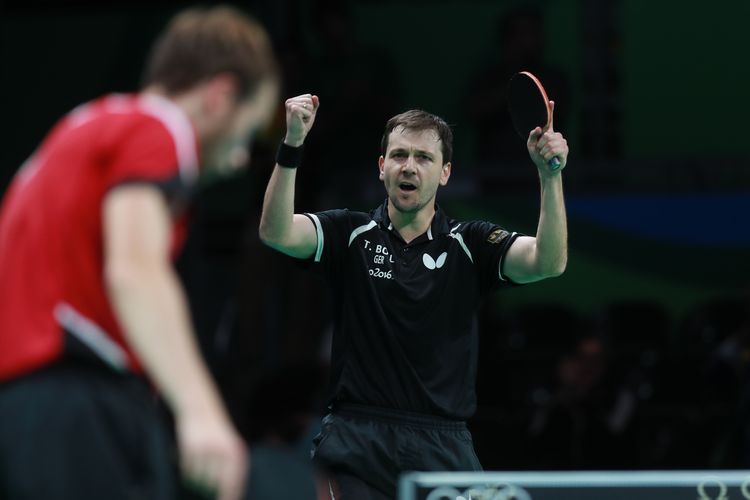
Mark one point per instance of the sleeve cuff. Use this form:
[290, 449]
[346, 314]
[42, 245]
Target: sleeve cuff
[506, 246]
[319, 233]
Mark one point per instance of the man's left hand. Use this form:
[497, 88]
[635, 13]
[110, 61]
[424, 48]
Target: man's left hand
[545, 144]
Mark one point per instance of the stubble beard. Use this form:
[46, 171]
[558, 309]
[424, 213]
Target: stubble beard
[412, 207]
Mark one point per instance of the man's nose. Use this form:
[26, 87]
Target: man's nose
[409, 165]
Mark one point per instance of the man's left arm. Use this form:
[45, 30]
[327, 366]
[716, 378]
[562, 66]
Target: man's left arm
[546, 255]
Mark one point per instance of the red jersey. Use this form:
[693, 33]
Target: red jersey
[51, 236]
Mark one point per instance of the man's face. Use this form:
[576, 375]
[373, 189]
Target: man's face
[413, 168]
[229, 150]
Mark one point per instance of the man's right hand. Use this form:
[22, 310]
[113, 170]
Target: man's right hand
[300, 116]
[213, 457]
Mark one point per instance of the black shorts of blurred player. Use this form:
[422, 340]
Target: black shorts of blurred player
[75, 430]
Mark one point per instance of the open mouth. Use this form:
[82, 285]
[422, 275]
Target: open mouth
[407, 186]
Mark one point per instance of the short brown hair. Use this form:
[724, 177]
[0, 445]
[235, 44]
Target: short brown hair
[200, 43]
[417, 120]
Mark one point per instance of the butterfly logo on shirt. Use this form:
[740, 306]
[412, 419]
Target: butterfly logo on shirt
[431, 263]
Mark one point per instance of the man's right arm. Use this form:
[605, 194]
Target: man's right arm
[280, 228]
[149, 302]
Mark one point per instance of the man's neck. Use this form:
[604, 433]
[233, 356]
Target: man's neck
[410, 225]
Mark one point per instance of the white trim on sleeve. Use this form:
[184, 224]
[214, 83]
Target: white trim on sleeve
[319, 232]
[460, 239]
[360, 230]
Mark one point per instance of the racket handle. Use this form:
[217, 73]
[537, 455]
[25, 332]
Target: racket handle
[554, 163]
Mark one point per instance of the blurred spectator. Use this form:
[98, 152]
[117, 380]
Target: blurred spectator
[727, 379]
[359, 88]
[579, 422]
[520, 46]
[723, 329]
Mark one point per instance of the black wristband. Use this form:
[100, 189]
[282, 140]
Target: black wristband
[288, 156]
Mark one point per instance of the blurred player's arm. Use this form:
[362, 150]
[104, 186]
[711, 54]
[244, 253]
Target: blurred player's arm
[546, 255]
[150, 304]
[280, 228]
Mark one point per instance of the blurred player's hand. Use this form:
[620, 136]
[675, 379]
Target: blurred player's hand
[300, 116]
[543, 145]
[213, 457]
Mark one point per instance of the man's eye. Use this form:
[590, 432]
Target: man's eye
[424, 157]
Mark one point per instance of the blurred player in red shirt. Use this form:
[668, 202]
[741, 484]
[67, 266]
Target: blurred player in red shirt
[90, 302]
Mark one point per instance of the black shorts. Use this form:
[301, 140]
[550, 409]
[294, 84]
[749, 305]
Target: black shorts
[74, 431]
[374, 446]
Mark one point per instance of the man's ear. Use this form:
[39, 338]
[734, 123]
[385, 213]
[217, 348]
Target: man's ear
[381, 167]
[445, 174]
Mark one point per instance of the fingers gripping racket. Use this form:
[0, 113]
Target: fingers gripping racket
[529, 107]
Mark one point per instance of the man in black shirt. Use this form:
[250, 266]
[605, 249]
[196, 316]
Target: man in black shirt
[406, 281]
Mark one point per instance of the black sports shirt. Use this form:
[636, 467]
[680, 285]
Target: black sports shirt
[404, 333]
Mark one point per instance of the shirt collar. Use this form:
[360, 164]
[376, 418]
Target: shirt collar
[440, 223]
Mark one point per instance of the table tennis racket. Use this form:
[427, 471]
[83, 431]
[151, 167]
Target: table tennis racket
[529, 107]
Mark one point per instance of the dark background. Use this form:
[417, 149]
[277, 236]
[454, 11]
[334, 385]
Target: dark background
[637, 357]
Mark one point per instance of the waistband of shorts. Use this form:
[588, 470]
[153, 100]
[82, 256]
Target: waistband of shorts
[83, 369]
[398, 417]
